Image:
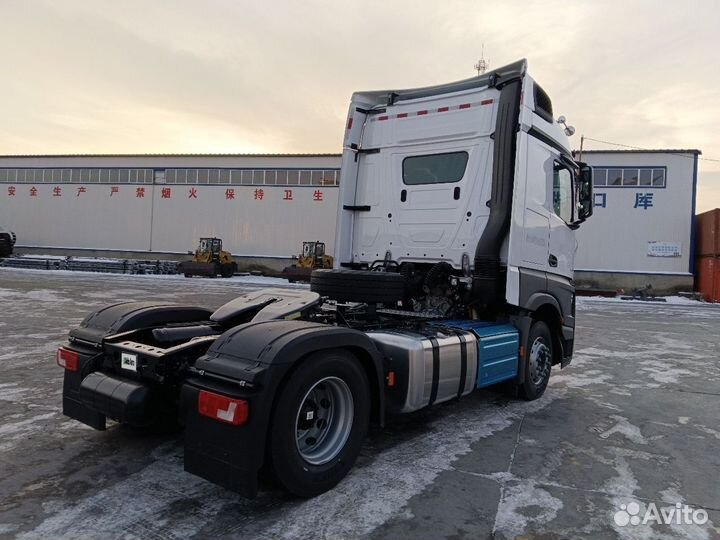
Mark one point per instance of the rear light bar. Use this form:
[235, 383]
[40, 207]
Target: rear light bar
[222, 408]
[67, 359]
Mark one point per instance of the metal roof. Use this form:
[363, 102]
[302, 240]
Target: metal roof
[161, 155]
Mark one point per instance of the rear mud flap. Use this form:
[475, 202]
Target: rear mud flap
[77, 410]
[227, 455]
[122, 400]
[73, 407]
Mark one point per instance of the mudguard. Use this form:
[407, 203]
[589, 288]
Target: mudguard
[126, 316]
[250, 362]
[87, 342]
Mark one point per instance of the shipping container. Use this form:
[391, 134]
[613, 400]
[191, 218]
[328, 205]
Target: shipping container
[708, 278]
[707, 234]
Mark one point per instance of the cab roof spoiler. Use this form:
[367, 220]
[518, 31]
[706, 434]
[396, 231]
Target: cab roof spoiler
[496, 78]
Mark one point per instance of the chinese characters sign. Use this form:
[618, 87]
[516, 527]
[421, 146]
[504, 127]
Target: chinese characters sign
[140, 192]
[643, 201]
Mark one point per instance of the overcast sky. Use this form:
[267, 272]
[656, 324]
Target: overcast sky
[238, 76]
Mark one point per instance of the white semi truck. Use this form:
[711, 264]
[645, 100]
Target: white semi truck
[454, 272]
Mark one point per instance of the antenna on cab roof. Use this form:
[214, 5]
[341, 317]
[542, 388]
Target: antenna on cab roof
[482, 65]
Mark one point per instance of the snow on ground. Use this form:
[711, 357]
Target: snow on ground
[634, 417]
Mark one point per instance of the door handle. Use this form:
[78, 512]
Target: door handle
[552, 260]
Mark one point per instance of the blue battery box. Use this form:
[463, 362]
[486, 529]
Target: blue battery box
[498, 347]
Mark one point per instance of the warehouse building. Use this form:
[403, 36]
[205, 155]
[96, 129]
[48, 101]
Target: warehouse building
[265, 206]
[157, 206]
[642, 229]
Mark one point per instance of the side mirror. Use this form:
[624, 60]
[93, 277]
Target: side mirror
[584, 186]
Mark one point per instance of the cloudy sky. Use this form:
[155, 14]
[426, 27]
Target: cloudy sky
[243, 76]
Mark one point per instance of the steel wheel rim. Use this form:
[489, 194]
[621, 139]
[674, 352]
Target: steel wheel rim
[324, 420]
[539, 361]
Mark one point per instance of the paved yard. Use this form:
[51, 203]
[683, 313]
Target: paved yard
[634, 419]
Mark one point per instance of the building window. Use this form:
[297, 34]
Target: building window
[629, 177]
[645, 177]
[599, 177]
[315, 177]
[658, 178]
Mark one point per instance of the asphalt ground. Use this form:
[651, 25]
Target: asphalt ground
[631, 425]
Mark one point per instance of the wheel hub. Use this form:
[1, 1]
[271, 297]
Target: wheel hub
[324, 420]
[540, 360]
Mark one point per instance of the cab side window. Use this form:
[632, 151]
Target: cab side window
[562, 192]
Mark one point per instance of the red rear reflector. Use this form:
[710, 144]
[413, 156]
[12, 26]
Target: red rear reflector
[486, 102]
[420, 113]
[391, 379]
[464, 106]
[384, 117]
[67, 359]
[349, 126]
[443, 109]
[402, 115]
[222, 408]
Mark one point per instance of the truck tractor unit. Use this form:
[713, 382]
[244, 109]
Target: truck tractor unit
[454, 256]
[7, 242]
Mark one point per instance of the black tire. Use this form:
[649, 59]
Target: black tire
[358, 285]
[227, 270]
[538, 361]
[291, 469]
[6, 246]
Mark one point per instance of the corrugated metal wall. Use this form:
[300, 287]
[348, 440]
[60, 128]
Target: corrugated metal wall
[257, 221]
[144, 215]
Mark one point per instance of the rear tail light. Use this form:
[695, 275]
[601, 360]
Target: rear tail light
[67, 359]
[222, 408]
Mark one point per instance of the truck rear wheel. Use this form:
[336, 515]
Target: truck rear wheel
[538, 361]
[319, 423]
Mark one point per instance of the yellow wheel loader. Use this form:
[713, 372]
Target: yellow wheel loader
[312, 258]
[209, 260]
